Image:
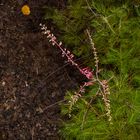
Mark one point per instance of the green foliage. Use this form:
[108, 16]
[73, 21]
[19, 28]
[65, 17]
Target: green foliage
[72, 22]
[115, 27]
[125, 103]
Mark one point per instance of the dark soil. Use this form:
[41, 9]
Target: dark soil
[32, 75]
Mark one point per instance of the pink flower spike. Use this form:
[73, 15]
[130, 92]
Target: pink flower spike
[65, 53]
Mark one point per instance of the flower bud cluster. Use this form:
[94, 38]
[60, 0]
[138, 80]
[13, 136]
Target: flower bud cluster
[96, 59]
[73, 100]
[106, 93]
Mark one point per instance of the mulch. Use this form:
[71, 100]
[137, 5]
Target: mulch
[32, 75]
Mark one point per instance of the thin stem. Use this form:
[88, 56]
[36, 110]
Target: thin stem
[56, 103]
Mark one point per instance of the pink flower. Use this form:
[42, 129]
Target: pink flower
[87, 72]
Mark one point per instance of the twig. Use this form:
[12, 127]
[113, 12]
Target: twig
[56, 103]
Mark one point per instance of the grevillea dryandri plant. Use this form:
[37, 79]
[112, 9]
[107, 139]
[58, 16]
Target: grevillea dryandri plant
[85, 71]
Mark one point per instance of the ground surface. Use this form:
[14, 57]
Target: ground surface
[32, 75]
